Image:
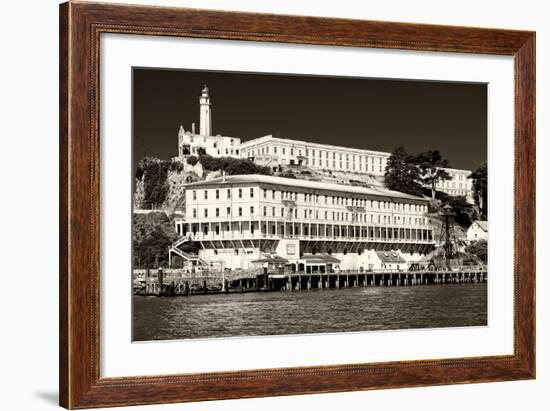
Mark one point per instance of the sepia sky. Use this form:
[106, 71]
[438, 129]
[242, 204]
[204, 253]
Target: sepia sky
[353, 112]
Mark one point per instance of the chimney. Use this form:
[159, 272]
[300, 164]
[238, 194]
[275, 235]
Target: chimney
[193, 128]
[223, 176]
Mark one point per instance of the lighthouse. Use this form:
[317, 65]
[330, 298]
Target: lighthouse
[205, 113]
[203, 141]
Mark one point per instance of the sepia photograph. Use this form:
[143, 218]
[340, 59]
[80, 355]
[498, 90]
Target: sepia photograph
[281, 204]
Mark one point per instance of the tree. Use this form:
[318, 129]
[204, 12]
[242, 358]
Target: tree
[464, 213]
[401, 173]
[152, 234]
[192, 160]
[155, 184]
[479, 185]
[232, 166]
[431, 168]
[478, 249]
[175, 165]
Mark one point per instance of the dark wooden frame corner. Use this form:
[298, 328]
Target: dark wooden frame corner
[80, 27]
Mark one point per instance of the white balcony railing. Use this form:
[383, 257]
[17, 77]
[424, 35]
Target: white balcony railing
[212, 236]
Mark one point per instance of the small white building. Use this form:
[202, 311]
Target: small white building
[477, 231]
[390, 260]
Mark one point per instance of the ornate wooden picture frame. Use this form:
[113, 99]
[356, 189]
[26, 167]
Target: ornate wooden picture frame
[80, 27]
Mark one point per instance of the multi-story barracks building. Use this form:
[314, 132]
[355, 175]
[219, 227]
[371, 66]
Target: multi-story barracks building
[273, 151]
[303, 225]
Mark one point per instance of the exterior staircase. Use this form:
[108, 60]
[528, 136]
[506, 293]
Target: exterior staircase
[192, 258]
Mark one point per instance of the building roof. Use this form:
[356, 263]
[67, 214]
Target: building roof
[390, 257]
[482, 224]
[297, 183]
[319, 259]
[271, 259]
[458, 170]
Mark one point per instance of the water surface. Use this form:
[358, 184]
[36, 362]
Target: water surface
[312, 311]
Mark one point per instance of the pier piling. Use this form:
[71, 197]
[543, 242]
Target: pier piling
[175, 282]
[160, 279]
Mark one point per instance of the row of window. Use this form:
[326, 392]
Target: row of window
[465, 193]
[460, 177]
[340, 165]
[325, 164]
[316, 153]
[227, 152]
[228, 193]
[310, 214]
[315, 199]
[452, 184]
[348, 201]
[184, 150]
[204, 139]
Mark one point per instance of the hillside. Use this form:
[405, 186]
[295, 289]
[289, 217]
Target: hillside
[160, 184]
[329, 176]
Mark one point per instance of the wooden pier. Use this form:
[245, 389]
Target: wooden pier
[180, 283]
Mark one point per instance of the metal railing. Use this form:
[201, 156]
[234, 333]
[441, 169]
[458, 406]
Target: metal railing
[257, 235]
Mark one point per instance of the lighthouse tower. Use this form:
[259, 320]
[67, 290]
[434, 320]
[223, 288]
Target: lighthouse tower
[205, 113]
